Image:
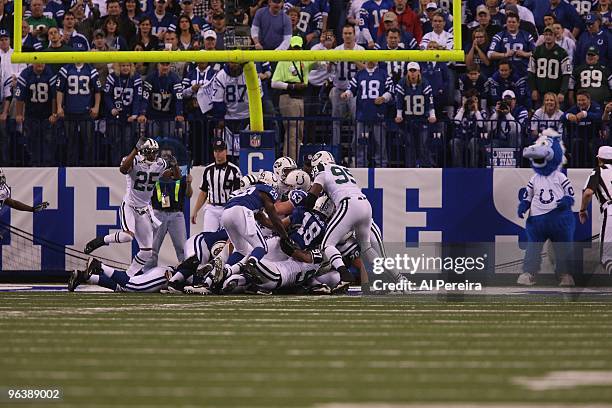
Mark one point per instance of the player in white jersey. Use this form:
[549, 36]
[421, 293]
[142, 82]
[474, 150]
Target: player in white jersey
[353, 210]
[342, 73]
[142, 168]
[5, 198]
[231, 105]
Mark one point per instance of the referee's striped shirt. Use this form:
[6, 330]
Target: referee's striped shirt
[600, 182]
[219, 181]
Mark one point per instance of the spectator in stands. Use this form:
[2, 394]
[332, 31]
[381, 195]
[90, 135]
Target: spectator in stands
[197, 23]
[470, 132]
[525, 15]
[592, 77]
[8, 70]
[352, 17]
[395, 69]
[564, 41]
[473, 81]
[549, 69]
[161, 20]
[504, 79]
[341, 73]
[390, 22]
[408, 20]
[145, 40]
[218, 25]
[567, 16]
[438, 76]
[308, 21]
[438, 34]
[162, 106]
[168, 202]
[594, 36]
[171, 43]
[508, 123]
[428, 10]
[35, 110]
[132, 12]
[78, 103]
[188, 39]
[370, 17]
[514, 45]
[483, 22]
[415, 108]
[6, 19]
[28, 42]
[38, 22]
[583, 122]
[605, 11]
[122, 100]
[99, 44]
[85, 24]
[114, 39]
[126, 27]
[317, 80]
[271, 28]
[497, 17]
[216, 7]
[291, 78]
[548, 116]
[56, 45]
[70, 36]
[477, 55]
[373, 89]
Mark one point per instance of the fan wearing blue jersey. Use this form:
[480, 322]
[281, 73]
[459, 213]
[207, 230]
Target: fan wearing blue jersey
[162, 107]
[78, 103]
[122, 100]
[594, 36]
[415, 107]
[370, 17]
[310, 19]
[405, 39]
[70, 36]
[505, 79]
[240, 217]
[513, 44]
[161, 19]
[373, 89]
[35, 110]
[570, 17]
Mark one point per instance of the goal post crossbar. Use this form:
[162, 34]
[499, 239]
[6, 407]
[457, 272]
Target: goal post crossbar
[239, 56]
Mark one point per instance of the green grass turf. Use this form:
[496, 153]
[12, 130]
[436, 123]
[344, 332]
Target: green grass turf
[156, 350]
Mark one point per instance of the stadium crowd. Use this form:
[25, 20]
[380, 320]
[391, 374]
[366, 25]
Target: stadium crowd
[529, 65]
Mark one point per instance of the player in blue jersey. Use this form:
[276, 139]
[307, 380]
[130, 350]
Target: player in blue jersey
[415, 107]
[513, 44]
[370, 17]
[239, 220]
[162, 94]
[34, 108]
[122, 104]
[373, 89]
[78, 102]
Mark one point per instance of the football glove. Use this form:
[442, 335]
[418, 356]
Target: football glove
[171, 160]
[288, 246]
[40, 207]
[565, 203]
[523, 207]
[141, 141]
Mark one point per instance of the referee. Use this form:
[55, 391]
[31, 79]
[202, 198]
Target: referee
[600, 185]
[219, 180]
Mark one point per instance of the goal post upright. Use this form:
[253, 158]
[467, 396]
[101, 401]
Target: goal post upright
[239, 56]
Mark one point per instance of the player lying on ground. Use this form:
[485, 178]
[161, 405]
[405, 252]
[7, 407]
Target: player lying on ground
[5, 198]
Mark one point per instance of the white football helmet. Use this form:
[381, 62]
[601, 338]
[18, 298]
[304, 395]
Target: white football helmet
[322, 157]
[268, 178]
[283, 166]
[325, 206]
[248, 180]
[298, 180]
[149, 149]
[2, 178]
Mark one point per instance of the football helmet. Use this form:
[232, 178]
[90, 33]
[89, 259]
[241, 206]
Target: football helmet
[298, 180]
[268, 178]
[149, 149]
[248, 180]
[324, 205]
[322, 157]
[283, 166]
[2, 178]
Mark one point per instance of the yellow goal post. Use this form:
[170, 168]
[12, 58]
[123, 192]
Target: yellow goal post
[248, 57]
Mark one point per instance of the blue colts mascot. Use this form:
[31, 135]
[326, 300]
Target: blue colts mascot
[549, 198]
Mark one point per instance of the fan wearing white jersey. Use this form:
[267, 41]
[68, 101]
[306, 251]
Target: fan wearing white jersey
[142, 168]
[353, 210]
[5, 198]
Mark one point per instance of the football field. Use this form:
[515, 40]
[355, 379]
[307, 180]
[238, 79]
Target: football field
[107, 349]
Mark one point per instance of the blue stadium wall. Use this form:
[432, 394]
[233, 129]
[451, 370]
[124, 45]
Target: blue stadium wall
[412, 206]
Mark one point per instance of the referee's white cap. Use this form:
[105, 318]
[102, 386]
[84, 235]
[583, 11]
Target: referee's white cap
[605, 152]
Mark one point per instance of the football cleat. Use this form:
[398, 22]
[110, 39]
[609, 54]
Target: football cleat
[204, 270]
[174, 288]
[76, 278]
[320, 289]
[526, 279]
[250, 269]
[197, 290]
[567, 281]
[341, 288]
[94, 266]
[94, 244]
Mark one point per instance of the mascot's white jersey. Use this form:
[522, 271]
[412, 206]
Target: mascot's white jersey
[545, 191]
